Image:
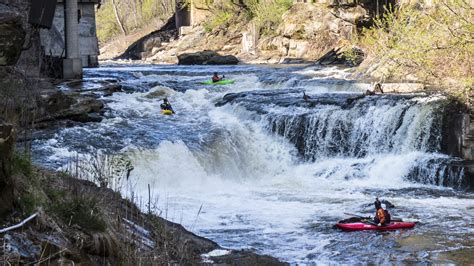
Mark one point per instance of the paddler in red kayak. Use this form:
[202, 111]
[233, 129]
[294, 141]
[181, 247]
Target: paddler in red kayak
[382, 217]
[216, 77]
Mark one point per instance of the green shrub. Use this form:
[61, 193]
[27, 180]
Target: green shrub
[21, 164]
[267, 14]
[434, 44]
[29, 202]
[219, 19]
[107, 26]
[81, 211]
[54, 194]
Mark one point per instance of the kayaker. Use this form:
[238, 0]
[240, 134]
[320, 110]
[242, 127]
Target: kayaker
[382, 217]
[305, 97]
[376, 88]
[166, 105]
[216, 77]
[377, 202]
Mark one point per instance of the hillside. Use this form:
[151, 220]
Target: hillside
[400, 41]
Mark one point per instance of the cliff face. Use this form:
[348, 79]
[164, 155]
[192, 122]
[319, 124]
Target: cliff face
[12, 35]
[306, 32]
[309, 31]
[19, 43]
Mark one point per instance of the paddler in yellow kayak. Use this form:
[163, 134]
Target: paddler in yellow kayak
[166, 107]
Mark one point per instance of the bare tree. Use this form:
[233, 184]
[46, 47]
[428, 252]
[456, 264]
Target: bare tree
[117, 16]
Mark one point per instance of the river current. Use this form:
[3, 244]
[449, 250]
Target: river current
[263, 169]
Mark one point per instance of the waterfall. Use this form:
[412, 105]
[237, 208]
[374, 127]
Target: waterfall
[354, 127]
[367, 128]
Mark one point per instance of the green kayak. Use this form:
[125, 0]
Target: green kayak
[220, 82]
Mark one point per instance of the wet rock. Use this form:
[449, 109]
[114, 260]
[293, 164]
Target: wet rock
[76, 107]
[56, 102]
[206, 58]
[19, 246]
[245, 258]
[294, 61]
[83, 106]
[12, 36]
[86, 118]
[343, 56]
[111, 89]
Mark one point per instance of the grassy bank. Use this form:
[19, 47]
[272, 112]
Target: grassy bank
[78, 221]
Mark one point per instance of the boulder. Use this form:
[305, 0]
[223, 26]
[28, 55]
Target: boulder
[84, 105]
[206, 58]
[75, 107]
[298, 48]
[198, 58]
[223, 60]
[12, 36]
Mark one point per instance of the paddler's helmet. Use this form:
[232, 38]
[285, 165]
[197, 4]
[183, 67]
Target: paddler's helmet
[215, 73]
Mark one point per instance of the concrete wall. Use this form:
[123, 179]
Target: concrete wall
[52, 41]
[183, 14]
[192, 14]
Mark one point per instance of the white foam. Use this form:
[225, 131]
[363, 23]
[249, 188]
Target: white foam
[217, 253]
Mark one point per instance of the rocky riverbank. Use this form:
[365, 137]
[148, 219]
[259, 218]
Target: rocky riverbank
[78, 222]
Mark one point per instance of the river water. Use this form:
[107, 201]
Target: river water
[262, 169]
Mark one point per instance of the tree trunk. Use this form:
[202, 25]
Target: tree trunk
[6, 151]
[134, 8]
[117, 16]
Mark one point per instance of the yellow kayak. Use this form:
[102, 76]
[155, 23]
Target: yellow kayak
[166, 112]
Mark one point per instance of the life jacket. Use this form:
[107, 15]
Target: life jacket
[165, 106]
[215, 78]
[388, 217]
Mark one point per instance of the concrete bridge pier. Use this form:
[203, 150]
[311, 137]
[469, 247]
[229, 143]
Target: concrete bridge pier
[72, 64]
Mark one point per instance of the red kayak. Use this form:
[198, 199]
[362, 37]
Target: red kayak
[363, 226]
